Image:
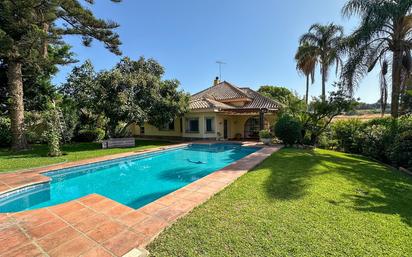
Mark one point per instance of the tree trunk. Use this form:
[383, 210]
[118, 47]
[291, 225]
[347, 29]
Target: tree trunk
[323, 96]
[15, 82]
[45, 43]
[396, 82]
[307, 89]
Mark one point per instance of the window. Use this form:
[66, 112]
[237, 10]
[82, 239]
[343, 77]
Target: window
[209, 125]
[192, 125]
[141, 130]
[168, 126]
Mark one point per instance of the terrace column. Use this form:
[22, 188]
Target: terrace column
[261, 120]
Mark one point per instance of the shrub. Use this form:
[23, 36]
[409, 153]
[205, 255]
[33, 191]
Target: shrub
[374, 138]
[265, 134]
[288, 130]
[379, 138]
[36, 125]
[348, 135]
[388, 140]
[325, 141]
[90, 135]
[402, 150]
[405, 123]
[5, 131]
[53, 142]
[53, 133]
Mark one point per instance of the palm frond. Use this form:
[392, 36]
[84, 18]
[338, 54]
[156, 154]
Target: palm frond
[354, 69]
[356, 7]
[309, 38]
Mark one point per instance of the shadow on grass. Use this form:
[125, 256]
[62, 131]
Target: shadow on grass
[290, 174]
[385, 190]
[379, 189]
[33, 152]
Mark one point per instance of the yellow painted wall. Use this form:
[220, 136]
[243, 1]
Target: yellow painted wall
[151, 130]
[236, 125]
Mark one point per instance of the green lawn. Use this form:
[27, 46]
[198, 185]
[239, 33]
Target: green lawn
[37, 156]
[301, 203]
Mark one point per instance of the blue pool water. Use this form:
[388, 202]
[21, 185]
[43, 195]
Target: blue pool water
[133, 181]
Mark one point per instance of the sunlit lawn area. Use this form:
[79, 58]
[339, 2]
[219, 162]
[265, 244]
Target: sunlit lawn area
[37, 156]
[301, 203]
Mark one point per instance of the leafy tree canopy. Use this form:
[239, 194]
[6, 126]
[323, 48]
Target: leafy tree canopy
[29, 26]
[133, 91]
[321, 113]
[291, 101]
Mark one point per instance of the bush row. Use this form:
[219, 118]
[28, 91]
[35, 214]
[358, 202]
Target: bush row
[89, 135]
[36, 128]
[5, 134]
[385, 139]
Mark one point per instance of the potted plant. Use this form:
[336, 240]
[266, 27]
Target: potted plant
[265, 136]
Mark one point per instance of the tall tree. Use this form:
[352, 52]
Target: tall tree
[28, 27]
[306, 63]
[326, 45]
[383, 36]
[38, 89]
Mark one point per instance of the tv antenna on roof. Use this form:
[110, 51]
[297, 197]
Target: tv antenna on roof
[220, 63]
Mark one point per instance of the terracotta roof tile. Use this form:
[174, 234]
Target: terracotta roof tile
[205, 103]
[222, 91]
[259, 101]
[210, 98]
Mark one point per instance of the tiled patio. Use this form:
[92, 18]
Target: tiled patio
[97, 226]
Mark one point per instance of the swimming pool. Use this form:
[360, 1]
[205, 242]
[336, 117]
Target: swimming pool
[133, 181]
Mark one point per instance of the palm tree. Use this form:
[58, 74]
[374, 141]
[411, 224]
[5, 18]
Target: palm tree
[384, 36]
[306, 64]
[326, 42]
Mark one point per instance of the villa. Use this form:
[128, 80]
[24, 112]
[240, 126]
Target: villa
[222, 111]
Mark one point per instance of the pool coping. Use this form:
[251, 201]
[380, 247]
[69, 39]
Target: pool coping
[93, 217]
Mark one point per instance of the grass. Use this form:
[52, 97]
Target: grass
[301, 203]
[37, 156]
[360, 116]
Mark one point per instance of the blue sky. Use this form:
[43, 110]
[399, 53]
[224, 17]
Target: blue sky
[257, 40]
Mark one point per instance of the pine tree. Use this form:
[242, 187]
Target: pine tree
[28, 28]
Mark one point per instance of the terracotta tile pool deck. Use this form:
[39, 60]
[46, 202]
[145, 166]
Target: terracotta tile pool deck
[98, 226]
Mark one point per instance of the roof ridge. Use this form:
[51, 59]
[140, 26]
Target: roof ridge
[236, 88]
[198, 93]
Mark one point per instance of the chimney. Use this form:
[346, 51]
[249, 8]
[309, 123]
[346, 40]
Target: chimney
[216, 81]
